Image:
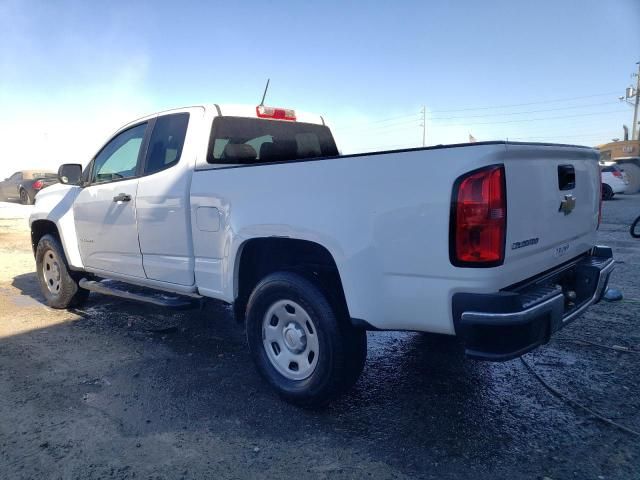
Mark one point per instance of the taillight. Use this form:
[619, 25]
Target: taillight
[616, 173]
[275, 113]
[479, 218]
[37, 185]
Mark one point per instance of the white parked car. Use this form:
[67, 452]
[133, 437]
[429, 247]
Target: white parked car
[614, 180]
[492, 241]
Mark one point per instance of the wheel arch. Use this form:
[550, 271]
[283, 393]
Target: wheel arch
[257, 257]
[40, 228]
[43, 226]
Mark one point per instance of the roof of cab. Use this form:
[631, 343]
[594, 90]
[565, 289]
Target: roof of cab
[230, 110]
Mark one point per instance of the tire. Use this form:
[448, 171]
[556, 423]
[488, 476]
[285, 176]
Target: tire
[635, 228]
[607, 192]
[25, 199]
[314, 354]
[57, 283]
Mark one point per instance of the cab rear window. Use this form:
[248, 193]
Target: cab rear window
[242, 141]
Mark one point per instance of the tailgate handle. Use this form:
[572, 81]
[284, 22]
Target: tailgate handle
[566, 177]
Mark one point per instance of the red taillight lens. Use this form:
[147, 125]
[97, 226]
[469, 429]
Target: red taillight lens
[275, 113]
[479, 218]
[617, 173]
[37, 185]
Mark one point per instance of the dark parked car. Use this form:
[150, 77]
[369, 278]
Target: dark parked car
[25, 184]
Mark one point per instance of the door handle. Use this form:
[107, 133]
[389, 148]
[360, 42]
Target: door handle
[123, 197]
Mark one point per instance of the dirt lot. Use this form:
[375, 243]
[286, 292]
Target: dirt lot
[121, 390]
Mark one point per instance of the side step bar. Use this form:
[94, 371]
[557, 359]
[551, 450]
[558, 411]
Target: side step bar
[121, 289]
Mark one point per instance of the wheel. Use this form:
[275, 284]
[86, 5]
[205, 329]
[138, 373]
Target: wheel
[25, 199]
[607, 192]
[59, 287]
[304, 349]
[635, 228]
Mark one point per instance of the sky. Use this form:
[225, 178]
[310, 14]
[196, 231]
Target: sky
[71, 72]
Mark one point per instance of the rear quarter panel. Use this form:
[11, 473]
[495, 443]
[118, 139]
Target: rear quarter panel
[384, 217]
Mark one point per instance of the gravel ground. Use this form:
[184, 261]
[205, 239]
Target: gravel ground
[122, 390]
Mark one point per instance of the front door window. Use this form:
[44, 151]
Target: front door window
[119, 158]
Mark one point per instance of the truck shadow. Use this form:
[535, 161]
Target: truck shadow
[27, 285]
[190, 370]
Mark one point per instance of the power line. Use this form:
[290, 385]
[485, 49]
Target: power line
[362, 127]
[418, 117]
[383, 120]
[394, 118]
[524, 104]
[530, 119]
[526, 112]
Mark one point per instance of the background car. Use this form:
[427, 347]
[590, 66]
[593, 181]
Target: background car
[614, 180]
[25, 184]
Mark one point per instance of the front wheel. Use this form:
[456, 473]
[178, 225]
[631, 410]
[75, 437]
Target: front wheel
[299, 341]
[58, 287]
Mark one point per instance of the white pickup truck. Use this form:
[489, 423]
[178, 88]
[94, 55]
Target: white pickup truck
[254, 206]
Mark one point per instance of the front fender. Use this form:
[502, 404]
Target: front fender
[55, 204]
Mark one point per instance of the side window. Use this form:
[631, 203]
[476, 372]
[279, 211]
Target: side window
[17, 176]
[119, 158]
[166, 142]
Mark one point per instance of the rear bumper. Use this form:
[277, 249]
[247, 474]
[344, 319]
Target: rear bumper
[512, 322]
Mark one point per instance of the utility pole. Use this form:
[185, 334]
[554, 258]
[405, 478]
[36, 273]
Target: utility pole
[424, 124]
[634, 135]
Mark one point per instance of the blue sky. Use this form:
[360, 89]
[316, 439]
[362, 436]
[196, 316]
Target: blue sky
[72, 72]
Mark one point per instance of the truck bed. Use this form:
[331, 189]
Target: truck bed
[385, 218]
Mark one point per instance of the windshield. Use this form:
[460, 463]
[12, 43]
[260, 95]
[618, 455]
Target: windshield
[240, 140]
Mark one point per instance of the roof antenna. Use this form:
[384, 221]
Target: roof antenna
[265, 93]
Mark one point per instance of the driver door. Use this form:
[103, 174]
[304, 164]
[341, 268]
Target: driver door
[105, 210]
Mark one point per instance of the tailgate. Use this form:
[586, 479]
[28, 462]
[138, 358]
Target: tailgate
[553, 198]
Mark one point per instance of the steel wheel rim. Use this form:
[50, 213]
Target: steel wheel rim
[290, 340]
[51, 271]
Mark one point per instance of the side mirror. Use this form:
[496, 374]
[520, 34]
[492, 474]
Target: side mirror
[70, 174]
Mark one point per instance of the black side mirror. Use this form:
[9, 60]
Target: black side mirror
[70, 174]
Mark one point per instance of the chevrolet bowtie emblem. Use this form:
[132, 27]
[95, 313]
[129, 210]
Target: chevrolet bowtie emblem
[568, 204]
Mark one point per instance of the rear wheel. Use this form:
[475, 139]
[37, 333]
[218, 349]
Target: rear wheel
[25, 199]
[58, 286]
[607, 192]
[299, 342]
